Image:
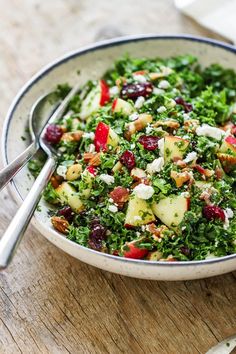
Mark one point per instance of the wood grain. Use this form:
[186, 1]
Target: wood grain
[51, 303]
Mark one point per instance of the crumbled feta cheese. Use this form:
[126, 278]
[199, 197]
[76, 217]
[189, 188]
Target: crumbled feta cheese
[164, 84]
[229, 212]
[133, 116]
[161, 109]
[137, 218]
[183, 228]
[171, 103]
[161, 144]
[114, 90]
[210, 256]
[91, 148]
[143, 191]
[156, 165]
[166, 70]
[149, 129]
[138, 233]
[190, 157]
[158, 91]
[90, 135]
[113, 208]
[139, 102]
[212, 132]
[107, 179]
[61, 171]
[186, 116]
[185, 194]
[110, 200]
[139, 78]
[132, 146]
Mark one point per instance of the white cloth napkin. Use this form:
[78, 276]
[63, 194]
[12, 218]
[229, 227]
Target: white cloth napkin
[217, 15]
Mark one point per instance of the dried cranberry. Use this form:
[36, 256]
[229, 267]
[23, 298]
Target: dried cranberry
[149, 142]
[97, 236]
[185, 250]
[133, 91]
[187, 106]
[128, 159]
[67, 213]
[53, 133]
[213, 212]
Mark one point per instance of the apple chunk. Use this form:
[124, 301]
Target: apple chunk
[122, 106]
[229, 144]
[174, 148]
[139, 212]
[68, 195]
[171, 210]
[105, 136]
[96, 98]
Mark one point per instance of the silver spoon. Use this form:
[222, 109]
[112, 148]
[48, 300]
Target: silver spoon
[16, 228]
[40, 113]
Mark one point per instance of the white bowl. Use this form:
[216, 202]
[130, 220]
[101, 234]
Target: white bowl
[93, 61]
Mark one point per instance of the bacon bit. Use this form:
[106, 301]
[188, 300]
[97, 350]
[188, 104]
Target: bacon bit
[180, 177]
[72, 136]
[157, 232]
[60, 224]
[167, 124]
[120, 196]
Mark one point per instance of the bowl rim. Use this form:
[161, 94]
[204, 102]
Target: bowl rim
[79, 52]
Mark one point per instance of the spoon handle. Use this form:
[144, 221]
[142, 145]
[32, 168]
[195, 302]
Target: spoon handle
[7, 173]
[15, 230]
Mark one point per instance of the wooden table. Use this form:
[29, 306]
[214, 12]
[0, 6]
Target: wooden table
[52, 303]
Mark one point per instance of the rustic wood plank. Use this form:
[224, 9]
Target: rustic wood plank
[51, 303]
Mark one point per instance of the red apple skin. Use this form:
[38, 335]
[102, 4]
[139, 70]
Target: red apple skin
[135, 252]
[200, 169]
[92, 170]
[231, 140]
[105, 94]
[101, 137]
[114, 104]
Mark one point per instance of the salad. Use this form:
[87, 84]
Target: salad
[148, 161]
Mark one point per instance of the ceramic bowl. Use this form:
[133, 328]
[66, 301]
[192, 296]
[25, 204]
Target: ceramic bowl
[92, 62]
